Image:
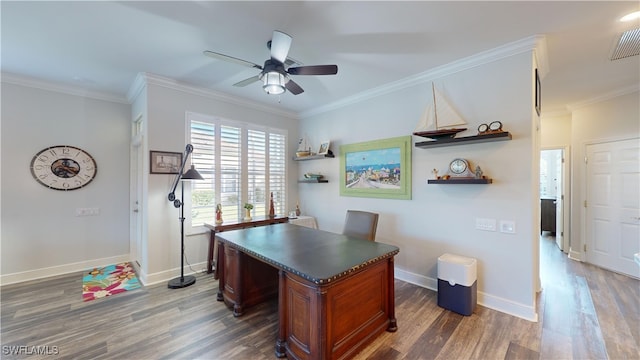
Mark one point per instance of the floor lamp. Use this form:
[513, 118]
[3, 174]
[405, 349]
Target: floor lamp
[191, 174]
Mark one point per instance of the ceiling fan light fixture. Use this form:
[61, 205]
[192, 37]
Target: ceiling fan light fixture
[273, 83]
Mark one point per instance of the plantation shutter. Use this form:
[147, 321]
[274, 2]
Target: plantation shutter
[239, 163]
[203, 191]
[256, 171]
[230, 171]
[277, 171]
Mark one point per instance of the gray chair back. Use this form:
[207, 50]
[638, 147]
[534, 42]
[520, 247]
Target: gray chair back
[361, 224]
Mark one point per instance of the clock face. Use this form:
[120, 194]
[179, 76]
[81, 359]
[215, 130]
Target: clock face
[63, 167]
[458, 166]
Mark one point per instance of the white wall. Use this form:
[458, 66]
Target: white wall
[441, 218]
[167, 103]
[617, 118]
[41, 234]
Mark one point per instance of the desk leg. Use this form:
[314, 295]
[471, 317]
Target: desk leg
[220, 272]
[212, 241]
[281, 342]
[393, 325]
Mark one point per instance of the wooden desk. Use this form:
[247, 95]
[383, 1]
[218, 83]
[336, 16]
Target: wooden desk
[233, 225]
[335, 293]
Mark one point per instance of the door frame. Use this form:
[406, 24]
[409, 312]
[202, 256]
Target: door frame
[565, 231]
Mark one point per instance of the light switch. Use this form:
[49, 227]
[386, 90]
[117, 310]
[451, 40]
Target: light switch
[508, 226]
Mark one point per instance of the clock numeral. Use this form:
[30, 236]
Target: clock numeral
[65, 185]
[43, 158]
[89, 168]
[53, 152]
[87, 176]
[38, 167]
[43, 176]
[65, 151]
[78, 182]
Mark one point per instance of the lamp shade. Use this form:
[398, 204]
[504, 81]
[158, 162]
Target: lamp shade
[192, 174]
[273, 83]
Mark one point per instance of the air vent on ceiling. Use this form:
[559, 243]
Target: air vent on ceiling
[628, 45]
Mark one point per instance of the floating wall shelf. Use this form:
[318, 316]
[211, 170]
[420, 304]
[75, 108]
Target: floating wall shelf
[501, 136]
[313, 181]
[314, 157]
[460, 181]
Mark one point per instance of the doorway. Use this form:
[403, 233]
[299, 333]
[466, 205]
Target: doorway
[553, 190]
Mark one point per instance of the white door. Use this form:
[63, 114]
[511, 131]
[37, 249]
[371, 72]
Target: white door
[613, 205]
[559, 198]
[135, 244]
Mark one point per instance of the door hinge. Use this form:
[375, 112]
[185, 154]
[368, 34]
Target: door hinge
[585, 160]
[585, 247]
[585, 203]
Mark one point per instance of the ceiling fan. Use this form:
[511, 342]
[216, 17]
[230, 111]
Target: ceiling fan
[274, 75]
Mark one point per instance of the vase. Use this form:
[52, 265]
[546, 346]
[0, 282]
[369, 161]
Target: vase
[247, 215]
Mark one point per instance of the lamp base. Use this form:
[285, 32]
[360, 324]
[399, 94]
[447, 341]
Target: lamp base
[178, 282]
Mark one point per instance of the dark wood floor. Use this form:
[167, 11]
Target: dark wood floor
[585, 313]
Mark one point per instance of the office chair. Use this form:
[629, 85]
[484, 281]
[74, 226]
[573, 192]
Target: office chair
[361, 224]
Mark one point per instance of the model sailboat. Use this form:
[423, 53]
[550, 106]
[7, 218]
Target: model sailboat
[439, 119]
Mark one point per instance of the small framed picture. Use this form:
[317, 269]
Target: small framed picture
[324, 147]
[164, 162]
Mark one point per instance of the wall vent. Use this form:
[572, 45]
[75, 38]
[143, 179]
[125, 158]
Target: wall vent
[628, 45]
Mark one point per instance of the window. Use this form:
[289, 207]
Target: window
[241, 163]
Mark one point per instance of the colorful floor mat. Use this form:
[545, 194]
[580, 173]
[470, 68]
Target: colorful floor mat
[109, 280]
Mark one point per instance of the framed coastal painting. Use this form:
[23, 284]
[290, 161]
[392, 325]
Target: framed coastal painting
[377, 169]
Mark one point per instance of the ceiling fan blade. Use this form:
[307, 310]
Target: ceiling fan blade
[228, 58]
[248, 81]
[294, 88]
[280, 44]
[314, 70]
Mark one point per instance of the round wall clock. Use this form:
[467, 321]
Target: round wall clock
[63, 167]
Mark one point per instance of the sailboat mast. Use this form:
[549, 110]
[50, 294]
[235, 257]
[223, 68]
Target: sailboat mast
[435, 109]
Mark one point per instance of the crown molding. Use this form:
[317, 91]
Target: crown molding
[501, 52]
[144, 79]
[21, 80]
[604, 97]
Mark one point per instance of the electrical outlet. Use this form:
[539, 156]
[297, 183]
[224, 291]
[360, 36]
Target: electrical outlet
[507, 226]
[87, 211]
[486, 224]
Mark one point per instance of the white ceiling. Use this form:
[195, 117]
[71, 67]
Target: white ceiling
[102, 46]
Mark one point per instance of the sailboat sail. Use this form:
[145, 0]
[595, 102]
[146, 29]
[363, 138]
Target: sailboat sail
[438, 118]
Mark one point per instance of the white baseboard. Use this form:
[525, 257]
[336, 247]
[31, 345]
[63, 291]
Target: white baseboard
[487, 300]
[165, 276]
[42, 273]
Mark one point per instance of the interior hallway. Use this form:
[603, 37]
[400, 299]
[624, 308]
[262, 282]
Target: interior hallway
[586, 312]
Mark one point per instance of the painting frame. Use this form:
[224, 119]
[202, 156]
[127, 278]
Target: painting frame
[164, 162]
[324, 147]
[538, 94]
[396, 180]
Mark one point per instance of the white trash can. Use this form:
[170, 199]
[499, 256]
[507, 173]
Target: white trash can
[457, 283]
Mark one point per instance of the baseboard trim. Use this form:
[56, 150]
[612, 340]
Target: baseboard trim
[487, 300]
[42, 273]
[165, 276]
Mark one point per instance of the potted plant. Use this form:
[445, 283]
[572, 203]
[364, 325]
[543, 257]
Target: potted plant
[247, 211]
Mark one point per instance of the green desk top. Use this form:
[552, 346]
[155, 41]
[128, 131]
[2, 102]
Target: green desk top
[316, 255]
